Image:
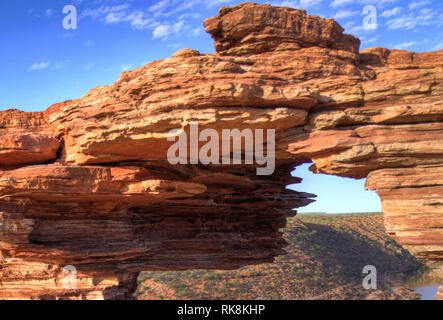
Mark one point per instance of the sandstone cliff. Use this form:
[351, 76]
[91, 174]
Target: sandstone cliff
[86, 182]
[439, 295]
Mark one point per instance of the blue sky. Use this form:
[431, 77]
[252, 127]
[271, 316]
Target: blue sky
[335, 194]
[42, 63]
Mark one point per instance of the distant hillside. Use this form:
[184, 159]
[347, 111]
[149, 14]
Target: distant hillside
[326, 255]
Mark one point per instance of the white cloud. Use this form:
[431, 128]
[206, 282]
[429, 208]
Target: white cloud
[417, 4]
[39, 66]
[177, 27]
[120, 14]
[405, 22]
[406, 45]
[136, 19]
[114, 17]
[352, 27]
[167, 8]
[341, 14]
[390, 13]
[158, 8]
[162, 31]
[197, 31]
[438, 47]
[424, 18]
[291, 4]
[125, 67]
[337, 3]
[379, 3]
[102, 11]
[372, 40]
[296, 4]
[307, 3]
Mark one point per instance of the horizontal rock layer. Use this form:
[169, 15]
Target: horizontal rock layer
[87, 183]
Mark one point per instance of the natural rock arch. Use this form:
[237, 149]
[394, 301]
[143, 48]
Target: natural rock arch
[86, 182]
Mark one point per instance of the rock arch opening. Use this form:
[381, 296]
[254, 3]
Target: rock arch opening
[335, 194]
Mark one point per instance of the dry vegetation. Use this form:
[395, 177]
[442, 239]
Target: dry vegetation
[326, 255]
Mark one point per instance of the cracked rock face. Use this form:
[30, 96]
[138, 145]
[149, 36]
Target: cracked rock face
[86, 183]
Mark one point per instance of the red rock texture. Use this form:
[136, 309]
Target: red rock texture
[439, 295]
[87, 183]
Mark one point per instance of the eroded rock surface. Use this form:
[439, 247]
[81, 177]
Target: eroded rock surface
[439, 295]
[87, 183]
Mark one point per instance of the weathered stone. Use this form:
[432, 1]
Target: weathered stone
[252, 29]
[412, 199]
[439, 295]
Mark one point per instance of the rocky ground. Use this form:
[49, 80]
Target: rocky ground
[326, 255]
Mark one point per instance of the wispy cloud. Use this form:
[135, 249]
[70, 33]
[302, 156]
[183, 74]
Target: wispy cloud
[39, 66]
[378, 3]
[161, 31]
[417, 4]
[137, 19]
[125, 67]
[164, 30]
[337, 3]
[391, 12]
[299, 4]
[197, 31]
[158, 8]
[424, 18]
[119, 14]
[148, 18]
[309, 2]
[438, 47]
[357, 28]
[372, 40]
[102, 11]
[341, 14]
[406, 45]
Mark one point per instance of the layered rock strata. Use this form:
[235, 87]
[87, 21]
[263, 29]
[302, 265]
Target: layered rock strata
[87, 183]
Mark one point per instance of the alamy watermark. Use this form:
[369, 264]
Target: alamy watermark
[370, 17]
[219, 150]
[370, 281]
[70, 20]
[70, 278]
[8, 227]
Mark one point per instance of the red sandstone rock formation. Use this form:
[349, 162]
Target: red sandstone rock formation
[86, 182]
[439, 295]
